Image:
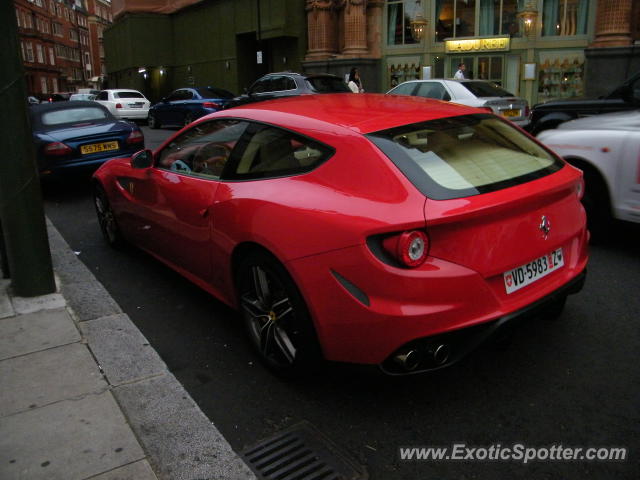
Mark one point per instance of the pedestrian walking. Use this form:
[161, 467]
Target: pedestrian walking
[354, 83]
[460, 73]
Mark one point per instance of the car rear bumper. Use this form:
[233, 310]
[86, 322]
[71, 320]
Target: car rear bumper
[79, 167]
[132, 114]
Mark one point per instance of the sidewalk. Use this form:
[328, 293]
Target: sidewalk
[84, 395]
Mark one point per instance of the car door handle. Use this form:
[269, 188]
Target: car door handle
[204, 212]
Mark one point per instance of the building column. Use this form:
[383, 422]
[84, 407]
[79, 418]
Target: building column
[355, 28]
[613, 24]
[374, 27]
[321, 29]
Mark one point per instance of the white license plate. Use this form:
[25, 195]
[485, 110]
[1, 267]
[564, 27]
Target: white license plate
[530, 272]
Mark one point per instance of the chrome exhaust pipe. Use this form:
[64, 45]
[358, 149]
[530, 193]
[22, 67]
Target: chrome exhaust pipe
[408, 359]
[440, 353]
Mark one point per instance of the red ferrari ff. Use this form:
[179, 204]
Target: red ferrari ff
[397, 231]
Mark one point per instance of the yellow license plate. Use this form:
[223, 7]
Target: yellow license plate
[511, 113]
[98, 147]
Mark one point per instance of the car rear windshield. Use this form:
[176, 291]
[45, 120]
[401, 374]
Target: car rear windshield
[486, 89]
[127, 95]
[210, 92]
[73, 115]
[327, 85]
[464, 156]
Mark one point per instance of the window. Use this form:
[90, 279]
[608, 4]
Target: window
[18, 15]
[272, 152]
[52, 57]
[457, 18]
[399, 16]
[462, 156]
[24, 52]
[54, 84]
[73, 35]
[29, 52]
[281, 83]
[564, 17]
[327, 85]
[43, 84]
[57, 29]
[202, 151]
[40, 53]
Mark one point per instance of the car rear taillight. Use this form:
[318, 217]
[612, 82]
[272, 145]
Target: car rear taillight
[118, 105]
[211, 105]
[57, 149]
[135, 137]
[409, 248]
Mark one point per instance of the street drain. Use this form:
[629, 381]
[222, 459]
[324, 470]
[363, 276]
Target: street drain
[301, 453]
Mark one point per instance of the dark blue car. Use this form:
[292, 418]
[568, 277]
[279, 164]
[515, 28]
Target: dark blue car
[78, 137]
[185, 105]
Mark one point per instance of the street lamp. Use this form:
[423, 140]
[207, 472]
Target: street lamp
[528, 16]
[419, 23]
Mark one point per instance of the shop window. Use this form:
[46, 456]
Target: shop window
[560, 75]
[402, 73]
[399, 16]
[564, 17]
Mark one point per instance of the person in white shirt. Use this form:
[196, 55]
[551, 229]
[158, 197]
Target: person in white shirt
[354, 82]
[460, 73]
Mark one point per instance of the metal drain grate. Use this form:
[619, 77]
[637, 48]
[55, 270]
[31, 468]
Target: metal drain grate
[301, 453]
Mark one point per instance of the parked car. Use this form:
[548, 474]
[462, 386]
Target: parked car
[549, 115]
[474, 93]
[55, 97]
[607, 149]
[125, 103]
[77, 137]
[31, 100]
[403, 237]
[82, 96]
[287, 84]
[185, 105]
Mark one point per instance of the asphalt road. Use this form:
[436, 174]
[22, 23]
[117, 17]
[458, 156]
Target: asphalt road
[573, 382]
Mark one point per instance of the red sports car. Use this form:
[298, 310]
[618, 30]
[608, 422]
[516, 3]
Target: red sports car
[396, 231]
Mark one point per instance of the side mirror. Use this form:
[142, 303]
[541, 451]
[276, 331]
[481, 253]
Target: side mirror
[142, 159]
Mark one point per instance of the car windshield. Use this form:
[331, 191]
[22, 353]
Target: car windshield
[127, 95]
[464, 156]
[73, 115]
[486, 89]
[210, 92]
[327, 85]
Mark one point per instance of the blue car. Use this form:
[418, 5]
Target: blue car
[77, 137]
[185, 105]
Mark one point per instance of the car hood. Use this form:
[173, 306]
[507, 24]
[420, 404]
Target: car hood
[67, 132]
[629, 120]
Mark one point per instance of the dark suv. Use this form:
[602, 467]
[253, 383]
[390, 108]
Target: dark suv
[287, 84]
[549, 115]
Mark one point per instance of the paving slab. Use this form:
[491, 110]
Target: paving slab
[41, 378]
[24, 305]
[69, 440]
[134, 471]
[121, 350]
[6, 309]
[181, 442]
[33, 332]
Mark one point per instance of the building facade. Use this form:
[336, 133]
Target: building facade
[538, 49]
[157, 46]
[99, 17]
[55, 44]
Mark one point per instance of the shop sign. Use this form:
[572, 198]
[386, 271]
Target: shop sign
[472, 45]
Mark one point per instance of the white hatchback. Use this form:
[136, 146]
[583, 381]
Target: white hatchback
[125, 103]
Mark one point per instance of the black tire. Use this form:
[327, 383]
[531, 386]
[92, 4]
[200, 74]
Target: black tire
[554, 310]
[597, 205]
[276, 317]
[188, 118]
[106, 219]
[153, 122]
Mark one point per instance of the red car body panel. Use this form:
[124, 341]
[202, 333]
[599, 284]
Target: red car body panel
[317, 225]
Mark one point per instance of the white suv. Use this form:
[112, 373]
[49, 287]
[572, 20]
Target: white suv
[125, 103]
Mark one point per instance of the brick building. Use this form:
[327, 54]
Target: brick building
[55, 43]
[99, 18]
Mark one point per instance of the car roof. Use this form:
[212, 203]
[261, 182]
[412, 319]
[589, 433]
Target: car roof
[363, 113]
[303, 75]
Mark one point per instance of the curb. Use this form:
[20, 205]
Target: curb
[180, 441]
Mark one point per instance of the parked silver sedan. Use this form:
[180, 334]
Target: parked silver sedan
[473, 93]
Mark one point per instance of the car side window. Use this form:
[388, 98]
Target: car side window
[103, 96]
[268, 152]
[174, 96]
[262, 86]
[202, 151]
[433, 90]
[405, 89]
